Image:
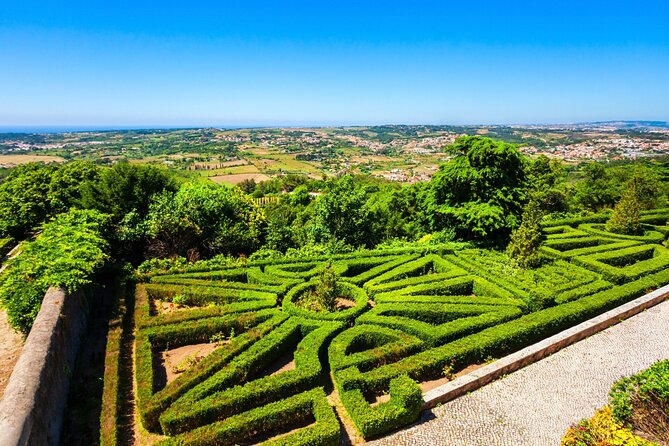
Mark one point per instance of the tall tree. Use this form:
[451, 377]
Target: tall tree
[480, 193]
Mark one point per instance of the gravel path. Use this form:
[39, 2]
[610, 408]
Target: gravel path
[535, 405]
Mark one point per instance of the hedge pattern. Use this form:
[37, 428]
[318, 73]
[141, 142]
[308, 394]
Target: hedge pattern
[418, 315]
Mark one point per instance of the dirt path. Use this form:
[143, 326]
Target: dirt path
[11, 344]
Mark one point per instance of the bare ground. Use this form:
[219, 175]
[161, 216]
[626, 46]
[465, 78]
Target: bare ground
[11, 344]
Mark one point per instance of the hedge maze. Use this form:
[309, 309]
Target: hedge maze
[279, 371]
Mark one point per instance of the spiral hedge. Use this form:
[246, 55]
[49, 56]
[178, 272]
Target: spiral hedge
[419, 315]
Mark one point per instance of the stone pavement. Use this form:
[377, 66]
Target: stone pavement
[535, 405]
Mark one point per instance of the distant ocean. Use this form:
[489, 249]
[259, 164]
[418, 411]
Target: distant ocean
[98, 128]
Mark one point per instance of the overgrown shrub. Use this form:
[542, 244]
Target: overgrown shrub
[67, 253]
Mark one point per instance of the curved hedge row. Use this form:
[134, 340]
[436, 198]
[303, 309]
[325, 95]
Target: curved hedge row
[417, 316]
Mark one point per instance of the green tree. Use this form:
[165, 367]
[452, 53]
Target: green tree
[125, 187]
[341, 214]
[480, 193]
[527, 238]
[203, 220]
[67, 253]
[23, 199]
[68, 182]
[627, 212]
[596, 190]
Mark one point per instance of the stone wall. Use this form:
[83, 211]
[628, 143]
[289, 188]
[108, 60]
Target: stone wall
[31, 410]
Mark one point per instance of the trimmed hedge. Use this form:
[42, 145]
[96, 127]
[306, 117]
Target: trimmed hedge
[627, 264]
[438, 323]
[6, 245]
[214, 401]
[503, 338]
[650, 236]
[272, 418]
[119, 326]
[403, 407]
[369, 346]
[350, 291]
[430, 316]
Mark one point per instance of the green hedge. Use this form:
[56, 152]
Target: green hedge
[414, 268]
[112, 398]
[6, 245]
[559, 232]
[403, 407]
[627, 264]
[438, 323]
[307, 407]
[557, 249]
[369, 346]
[349, 291]
[202, 406]
[649, 236]
[503, 338]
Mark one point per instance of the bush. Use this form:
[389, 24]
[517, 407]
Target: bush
[67, 253]
[526, 239]
[642, 401]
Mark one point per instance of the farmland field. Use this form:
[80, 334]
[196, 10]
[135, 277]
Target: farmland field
[232, 356]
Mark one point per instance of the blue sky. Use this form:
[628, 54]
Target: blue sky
[104, 63]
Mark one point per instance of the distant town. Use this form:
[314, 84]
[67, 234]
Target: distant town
[403, 153]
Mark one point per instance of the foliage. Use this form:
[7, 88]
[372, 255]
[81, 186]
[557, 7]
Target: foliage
[342, 214]
[480, 193]
[323, 297]
[601, 430]
[23, 199]
[200, 220]
[126, 187]
[527, 238]
[627, 212]
[67, 253]
[641, 401]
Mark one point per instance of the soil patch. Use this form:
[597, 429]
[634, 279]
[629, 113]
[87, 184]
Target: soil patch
[238, 178]
[172, 363]
[344, 304]
[11, 344]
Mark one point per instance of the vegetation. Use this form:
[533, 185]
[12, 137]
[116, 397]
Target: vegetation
[67, 253]
[384, 285]
[638, 405]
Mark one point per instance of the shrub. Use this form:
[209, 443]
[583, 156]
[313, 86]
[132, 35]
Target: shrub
[526, 239]
[642, 400]
[67, 253]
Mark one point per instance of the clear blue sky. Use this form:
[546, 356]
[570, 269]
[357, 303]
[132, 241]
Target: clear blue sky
[168, 63]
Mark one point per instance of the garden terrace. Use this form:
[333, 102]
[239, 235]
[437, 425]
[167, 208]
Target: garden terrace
[276, 368]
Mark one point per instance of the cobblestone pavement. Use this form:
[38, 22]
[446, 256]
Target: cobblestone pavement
[535, 405]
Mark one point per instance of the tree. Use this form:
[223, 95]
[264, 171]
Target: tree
[67, 253]
[341, 214]
[527, 238]
[597, 190]
[203, 220]
[125, 187]
[546, 178]
[627, 212]
[23, 199]
[480, 193]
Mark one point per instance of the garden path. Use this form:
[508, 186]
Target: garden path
[535, 405]
[11, 344]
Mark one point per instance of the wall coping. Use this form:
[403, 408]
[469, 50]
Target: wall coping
[535, 352]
